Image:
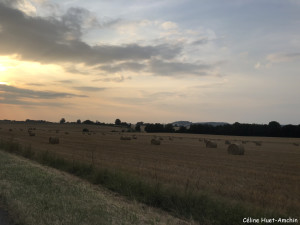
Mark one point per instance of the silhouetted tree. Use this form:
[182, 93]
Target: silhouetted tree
[157, 127]
[289, 131]
[182, 129]
[118, 122]
[169, 128]
[62, 120]
[88, 122]
[79, 121]
[274, 129]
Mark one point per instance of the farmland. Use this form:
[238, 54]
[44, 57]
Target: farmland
[266, 177]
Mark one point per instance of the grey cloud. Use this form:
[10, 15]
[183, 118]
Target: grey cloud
[207, 86]
[200, 41]
[58, 41]
[8, 91]
[113, 79]
[293, 55]
[73, 69]
[163, 68]
[79, 20]
[36, 84]
[20, 96]
[133, 52]
[10, 3]
[283, 57]
[65, 81]
[89, 89]
[131, 66]
[159, 95]
[14, 101]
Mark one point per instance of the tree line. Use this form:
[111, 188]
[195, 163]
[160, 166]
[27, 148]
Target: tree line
[273, 129]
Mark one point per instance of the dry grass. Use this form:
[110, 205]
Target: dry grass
[53, 140]
[125, 138]
[155, 141]
[35, 194]
[266, 177]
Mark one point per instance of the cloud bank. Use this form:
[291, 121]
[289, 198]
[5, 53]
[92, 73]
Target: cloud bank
[58, 40]
[22, 96]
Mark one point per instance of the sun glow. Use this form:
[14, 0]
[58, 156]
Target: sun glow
[2, 68]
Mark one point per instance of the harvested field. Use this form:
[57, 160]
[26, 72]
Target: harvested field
[267, 176]
[41, 195]
[236, 149]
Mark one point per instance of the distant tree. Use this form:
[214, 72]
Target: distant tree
[124, 124]
[274, 128]
[289, 131]
[182, 129]
[62, 120]
[157, 127]
[137, 127]
[118, 122]
[88, 122]
[169, 128]
[79, 121]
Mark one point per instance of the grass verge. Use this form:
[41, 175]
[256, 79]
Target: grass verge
[200, 207]
[35, 194]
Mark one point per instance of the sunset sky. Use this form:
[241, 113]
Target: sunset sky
[150, 60]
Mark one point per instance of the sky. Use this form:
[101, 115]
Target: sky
[151, 60]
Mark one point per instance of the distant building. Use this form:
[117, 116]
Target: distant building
[143, 128]
[176, 128]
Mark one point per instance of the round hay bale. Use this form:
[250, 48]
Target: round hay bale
[211, 144]
[125, 138]
[134, 137]
[85, 130]
[227, 142]
[31, 134]
[53, 140]
[155, 142]
[257, 143]
[236, 149]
